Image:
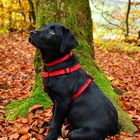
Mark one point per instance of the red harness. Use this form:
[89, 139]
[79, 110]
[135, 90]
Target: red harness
[66, 71]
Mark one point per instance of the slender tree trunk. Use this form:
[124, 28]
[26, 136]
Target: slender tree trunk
[1, 20]
[138, 35]
[127, 18]
[22, 12]
[32, 13]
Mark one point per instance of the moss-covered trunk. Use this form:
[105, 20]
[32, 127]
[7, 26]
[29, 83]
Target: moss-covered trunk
[76, 16]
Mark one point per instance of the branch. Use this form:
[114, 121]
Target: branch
[107, 19]
[22, 10]
[32, 10]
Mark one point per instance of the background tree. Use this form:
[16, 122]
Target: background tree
[121, 17]
[17, 15]
[77, 17]
[127, 18]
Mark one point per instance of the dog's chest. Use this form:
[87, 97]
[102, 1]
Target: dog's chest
[59, 85]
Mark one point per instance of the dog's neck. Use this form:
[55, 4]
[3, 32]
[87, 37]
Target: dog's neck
[50, 57]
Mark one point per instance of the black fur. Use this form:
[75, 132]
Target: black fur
[91, 116]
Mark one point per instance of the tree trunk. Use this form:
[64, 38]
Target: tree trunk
[127, 18]
[32, 12]
[75, 15]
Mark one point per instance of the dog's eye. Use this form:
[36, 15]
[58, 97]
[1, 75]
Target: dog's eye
[52, 32]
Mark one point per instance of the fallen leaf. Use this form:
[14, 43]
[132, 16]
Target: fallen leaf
[4, 138]
[35, 107]
[15, 136]
[24, 129]
[25, 137]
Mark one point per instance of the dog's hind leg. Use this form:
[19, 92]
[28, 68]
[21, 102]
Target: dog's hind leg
[84, 133]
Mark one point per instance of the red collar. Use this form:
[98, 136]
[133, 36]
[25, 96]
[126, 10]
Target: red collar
[59, 60]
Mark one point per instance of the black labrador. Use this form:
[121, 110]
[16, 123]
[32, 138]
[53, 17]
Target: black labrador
[91, 115]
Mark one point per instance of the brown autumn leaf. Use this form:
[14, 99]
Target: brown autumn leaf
[25, 137]
[24, 120]
[30, 117]
[40, 137]
[35, 107]
[34, 124]
[60, 138]
[4, 138]
[14, 136]
[24, 129]
[64, 130]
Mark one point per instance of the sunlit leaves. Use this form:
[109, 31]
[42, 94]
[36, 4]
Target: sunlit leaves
[122, 69]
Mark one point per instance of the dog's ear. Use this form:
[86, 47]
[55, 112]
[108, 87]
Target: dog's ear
[69, 41]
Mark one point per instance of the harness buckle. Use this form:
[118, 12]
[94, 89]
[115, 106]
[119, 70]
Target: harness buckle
[67, 70]
[45, 74]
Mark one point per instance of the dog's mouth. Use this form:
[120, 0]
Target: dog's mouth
[33, 34]
[31, 41]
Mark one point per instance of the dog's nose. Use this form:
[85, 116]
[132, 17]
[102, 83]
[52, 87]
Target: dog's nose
[33, 32]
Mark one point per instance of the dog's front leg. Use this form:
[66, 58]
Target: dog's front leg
[61, 108]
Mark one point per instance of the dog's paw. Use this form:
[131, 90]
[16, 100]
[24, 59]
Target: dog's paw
[53, 134]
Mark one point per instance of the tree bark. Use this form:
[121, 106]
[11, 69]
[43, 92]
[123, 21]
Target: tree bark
[32, 13]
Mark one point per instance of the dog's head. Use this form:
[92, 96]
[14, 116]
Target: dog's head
[53, 37]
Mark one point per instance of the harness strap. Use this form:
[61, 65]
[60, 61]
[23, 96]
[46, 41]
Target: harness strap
[80, 91]
[59, 60]
[61, 71]
[66, 71]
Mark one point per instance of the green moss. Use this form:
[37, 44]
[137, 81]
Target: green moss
[20, 107]
[37, 61]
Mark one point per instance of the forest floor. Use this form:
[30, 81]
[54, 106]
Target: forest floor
[17, 76]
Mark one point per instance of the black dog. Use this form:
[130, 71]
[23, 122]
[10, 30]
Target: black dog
[90, 114]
